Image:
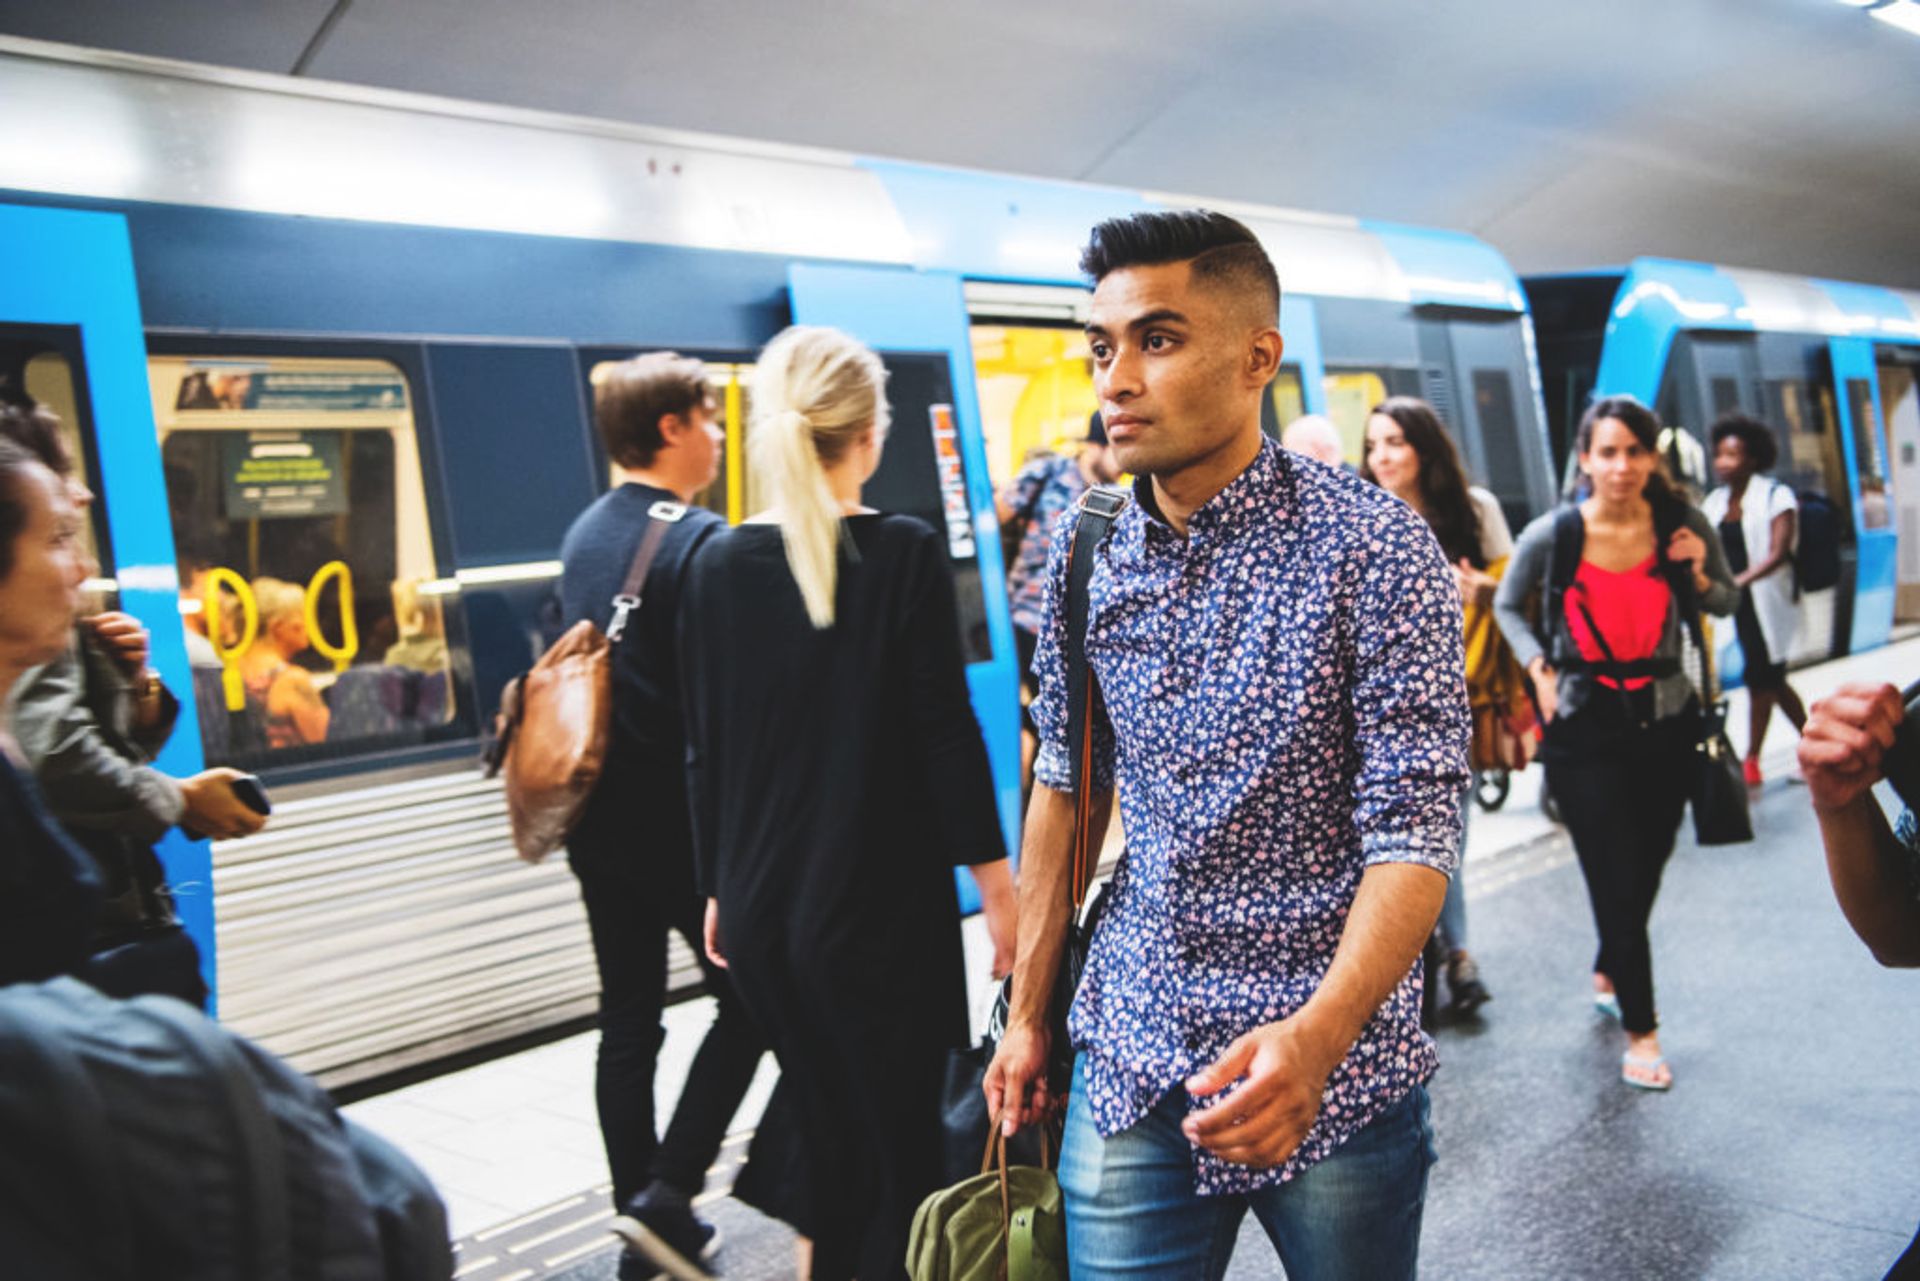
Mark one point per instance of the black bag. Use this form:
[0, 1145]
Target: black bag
[1719, 800]
[1099, 508]
[1816, 551]
[139, 1139]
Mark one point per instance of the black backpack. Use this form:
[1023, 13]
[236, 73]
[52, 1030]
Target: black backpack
[139, 1139]
[1816, 554]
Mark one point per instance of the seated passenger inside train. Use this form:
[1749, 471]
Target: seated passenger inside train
[291, 704]
[422, 643]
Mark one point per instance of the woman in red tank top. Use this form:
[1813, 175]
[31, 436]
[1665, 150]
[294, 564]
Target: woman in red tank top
[1622, 719]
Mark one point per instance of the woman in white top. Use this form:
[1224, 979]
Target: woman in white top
[1410, 455]
[1758, 520]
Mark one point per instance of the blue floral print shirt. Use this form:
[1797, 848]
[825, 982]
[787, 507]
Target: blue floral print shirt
[1288, 708]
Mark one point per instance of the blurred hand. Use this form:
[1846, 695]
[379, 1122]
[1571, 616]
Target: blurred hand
[212, 808]
[1016, 1080]
[1685, 545]
[1846, 735]
[1546, 688]
[1476, 586]
[715, 952]
[1283, 1071]
[124, 639]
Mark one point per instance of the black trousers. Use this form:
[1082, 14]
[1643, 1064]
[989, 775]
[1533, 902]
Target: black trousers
[636, 893]
[1622, 788]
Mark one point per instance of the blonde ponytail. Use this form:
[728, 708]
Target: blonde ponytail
[816, 392]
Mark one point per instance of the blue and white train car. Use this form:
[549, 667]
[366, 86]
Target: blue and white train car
[345, 339]
[1830, 366]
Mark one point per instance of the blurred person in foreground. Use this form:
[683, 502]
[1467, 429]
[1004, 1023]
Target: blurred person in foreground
[1278, 647]
[1874, 866]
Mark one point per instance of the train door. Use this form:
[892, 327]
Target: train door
[70, 335]
[935, 466]
[1862, 435]
[1900, 399]
[1475, 371]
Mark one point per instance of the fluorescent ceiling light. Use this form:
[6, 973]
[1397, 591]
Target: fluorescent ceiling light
[1904, 14]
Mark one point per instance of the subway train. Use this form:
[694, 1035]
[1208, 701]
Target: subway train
[328, 355]
[1830, 366]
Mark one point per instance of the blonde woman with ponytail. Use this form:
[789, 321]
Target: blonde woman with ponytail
[837, 777]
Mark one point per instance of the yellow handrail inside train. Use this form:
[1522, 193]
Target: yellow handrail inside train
[736, 443]
[343, 655]
[231, 681]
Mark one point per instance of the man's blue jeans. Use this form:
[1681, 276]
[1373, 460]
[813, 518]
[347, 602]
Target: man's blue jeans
[1132, 1210]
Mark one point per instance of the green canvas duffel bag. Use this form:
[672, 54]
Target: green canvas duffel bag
[1004, 1224]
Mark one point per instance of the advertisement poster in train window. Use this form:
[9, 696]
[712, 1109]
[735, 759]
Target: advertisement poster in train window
[953, 483]
[235, 386]
[267, 475]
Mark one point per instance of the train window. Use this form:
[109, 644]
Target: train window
[1351, 394]
[314, 616]
[1870, 455]
[1036, 392]
[1506, 465]
[1804, 449]
[1726, 396]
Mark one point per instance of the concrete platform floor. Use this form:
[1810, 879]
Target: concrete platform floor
[1784, 1149]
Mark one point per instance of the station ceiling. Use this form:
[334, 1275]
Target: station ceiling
[1782, 134]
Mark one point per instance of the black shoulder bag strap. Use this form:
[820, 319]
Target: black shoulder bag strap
[1563, 562]
[1099, 508]
[659, 517]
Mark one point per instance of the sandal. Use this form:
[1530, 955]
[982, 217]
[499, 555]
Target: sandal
[1648, 1080]
[1608, 1003]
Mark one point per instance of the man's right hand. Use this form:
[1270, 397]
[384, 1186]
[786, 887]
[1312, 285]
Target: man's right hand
[1846, 735]
[1016, 1080]
[213, 810]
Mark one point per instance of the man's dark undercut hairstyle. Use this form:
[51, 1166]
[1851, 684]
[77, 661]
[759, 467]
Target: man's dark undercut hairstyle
[630, 399]
[1221, 249]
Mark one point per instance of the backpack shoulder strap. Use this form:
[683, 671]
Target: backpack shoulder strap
[1100, 506]
[660, 517]
[1563, 562]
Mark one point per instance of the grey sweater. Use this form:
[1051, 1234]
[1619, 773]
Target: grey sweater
[1527, 574]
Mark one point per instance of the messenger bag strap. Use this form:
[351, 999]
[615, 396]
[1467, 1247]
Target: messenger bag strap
[659, 517]
[1099, 508]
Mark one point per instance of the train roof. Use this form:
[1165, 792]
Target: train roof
[133, 128]
[1698, 295]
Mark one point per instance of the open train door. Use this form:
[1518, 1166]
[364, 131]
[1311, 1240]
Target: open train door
[1863, 439]
[935, 467]
[70, 334]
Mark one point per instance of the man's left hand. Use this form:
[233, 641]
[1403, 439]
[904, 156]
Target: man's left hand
[1283, 1069]
[124, 640]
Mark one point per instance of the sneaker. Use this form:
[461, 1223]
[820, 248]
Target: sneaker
[1751, 768]
[659, 1226]
[1463, 981]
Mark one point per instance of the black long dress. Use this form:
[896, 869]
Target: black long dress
[837, 777]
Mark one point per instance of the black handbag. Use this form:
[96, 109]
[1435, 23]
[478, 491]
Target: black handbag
[1099, 507]
[1719, 800]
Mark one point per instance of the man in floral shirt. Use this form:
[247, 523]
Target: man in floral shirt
[1278, 646]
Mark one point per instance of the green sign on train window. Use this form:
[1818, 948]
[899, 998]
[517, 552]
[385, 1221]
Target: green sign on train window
[271, 474]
